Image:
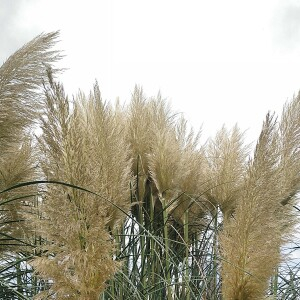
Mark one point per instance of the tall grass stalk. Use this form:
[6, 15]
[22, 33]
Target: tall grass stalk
[187, 292]
[215, 254]
[167, 250]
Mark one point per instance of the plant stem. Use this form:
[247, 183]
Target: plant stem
[186, 240]
[166, 244]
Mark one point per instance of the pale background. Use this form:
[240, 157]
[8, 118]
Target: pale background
[216, 61]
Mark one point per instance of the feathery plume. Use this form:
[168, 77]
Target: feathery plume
[289, 131]
[251, 239]
[146, 118]
[21, 77]
[226, 156]
[16, 165]
[83, 146]
[168, 156]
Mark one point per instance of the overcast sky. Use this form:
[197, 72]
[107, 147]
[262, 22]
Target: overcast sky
[216, 61]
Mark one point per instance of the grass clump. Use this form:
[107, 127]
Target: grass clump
[123, 202]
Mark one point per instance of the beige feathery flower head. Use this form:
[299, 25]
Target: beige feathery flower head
[21, 78]
[226, 156]
[251, 240]
[84, 146]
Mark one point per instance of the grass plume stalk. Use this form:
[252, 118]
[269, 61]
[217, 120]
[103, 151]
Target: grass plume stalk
[21, 77]
[227, 156]
[16, 165]
[251, 239]
[78, 146]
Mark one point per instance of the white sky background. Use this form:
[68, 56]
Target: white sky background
[216, 61]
